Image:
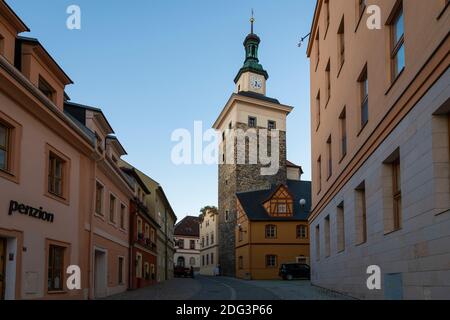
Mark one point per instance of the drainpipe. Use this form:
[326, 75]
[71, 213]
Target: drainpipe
[91, 280]
[91, 295]
[130, 257]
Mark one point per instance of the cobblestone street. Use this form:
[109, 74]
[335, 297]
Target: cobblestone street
[223, 288]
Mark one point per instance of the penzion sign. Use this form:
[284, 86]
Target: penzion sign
[15, 206]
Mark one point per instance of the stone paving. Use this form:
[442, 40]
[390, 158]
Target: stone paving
[224, 288]
[175, 289]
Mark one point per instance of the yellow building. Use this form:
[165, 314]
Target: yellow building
[272, 229]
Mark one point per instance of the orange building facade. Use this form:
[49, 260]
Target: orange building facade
[272, 229]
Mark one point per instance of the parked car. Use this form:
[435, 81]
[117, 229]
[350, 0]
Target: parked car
[182, 272]
[289, 271]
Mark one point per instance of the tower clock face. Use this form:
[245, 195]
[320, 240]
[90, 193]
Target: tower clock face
[256, 82]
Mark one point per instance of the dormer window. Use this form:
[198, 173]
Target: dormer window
[282, 208]
[280, 203]
[46, 89]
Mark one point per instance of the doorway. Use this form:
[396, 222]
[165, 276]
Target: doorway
[2, 267]
[100, 274]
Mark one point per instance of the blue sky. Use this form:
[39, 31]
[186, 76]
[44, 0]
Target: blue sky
[156, 66]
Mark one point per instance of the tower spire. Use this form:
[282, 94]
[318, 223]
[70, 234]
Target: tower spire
[252, 21]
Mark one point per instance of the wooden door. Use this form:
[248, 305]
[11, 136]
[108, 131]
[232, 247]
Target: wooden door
[2, 267]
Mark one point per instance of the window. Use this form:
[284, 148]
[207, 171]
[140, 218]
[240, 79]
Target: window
[364, 97]
[241, 263]
[146, 271]
[329, 158]
[340, 227]
[271, 232]
[212, 258]
[55, 175]
[361, 7]
[192, 244]
[341, 43]
[112, 208]
[230, 125]
[271, 261]
[343, 130]
[153, 236]
[180, 243]
[397, 42]
[328, 81]
[302, 260]
[138, 265]
[271, 125]
[122, 216]
[153, 271]
[282, 208]
[120, 270]
[99, 198]
[181, 262]
[2, 45]
[46, 89]
[392, 193]
[360, 211]
[202, 243]
[147, 232]
[317, 41]
[318, 110]
[397, 193]
[203, 260]
[302, 232]
[139, 228]
[5, 146]
[319, 174]
[207, 259]
[56, 268]
[327, 237]
[317, 242]
[227, 215]
[252, 122]
[212, 238]
[241, 234]
[207, 240]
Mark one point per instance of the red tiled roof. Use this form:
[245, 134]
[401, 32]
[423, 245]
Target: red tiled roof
[189, 226]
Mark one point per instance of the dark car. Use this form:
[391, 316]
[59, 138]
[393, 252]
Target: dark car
[182, 272]
[289, 271]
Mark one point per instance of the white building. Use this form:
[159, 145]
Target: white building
[187, 244]
[209, 243]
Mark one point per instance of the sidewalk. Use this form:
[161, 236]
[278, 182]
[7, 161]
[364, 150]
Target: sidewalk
[175, 289]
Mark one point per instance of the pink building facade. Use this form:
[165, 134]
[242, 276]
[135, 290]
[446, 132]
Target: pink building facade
[64, 202]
